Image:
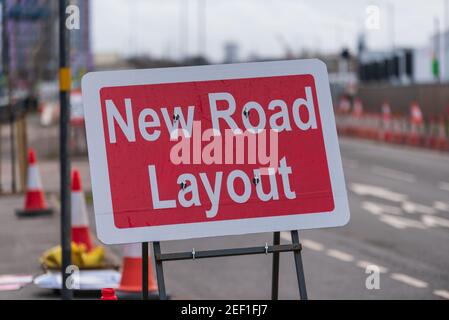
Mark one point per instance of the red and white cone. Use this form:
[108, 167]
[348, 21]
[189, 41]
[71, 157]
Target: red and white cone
[344, 105]
[131, 281]
[35, 203]
[416, 125]
[80, 223]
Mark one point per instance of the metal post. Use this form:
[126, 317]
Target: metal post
[22, 148]
[64, 94]
[1, 177]
[144, 270]
[8, 81]
[159, 271]
[275, 276]
[299, 267]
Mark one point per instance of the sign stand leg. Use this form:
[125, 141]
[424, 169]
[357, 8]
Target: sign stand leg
[275, 276]
[159, 271]
[299, 267]
[144, 270]
[275, 249]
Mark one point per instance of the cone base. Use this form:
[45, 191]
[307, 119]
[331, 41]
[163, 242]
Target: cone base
[34, 213]
[125, 295]
[131, 280]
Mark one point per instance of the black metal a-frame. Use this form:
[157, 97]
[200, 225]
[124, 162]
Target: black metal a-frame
[275, 249]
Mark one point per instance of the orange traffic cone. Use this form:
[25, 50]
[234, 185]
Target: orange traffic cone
[131, 281]
[80, 222]
[35, 203]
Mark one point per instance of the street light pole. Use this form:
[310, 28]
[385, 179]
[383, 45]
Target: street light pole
[4, 34]
[64, 157]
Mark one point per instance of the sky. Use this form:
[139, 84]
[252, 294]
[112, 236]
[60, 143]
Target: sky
[266, 28]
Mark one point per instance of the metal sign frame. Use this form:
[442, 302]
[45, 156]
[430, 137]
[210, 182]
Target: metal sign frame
[275, 249]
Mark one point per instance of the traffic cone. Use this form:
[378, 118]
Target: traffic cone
[344, 105]
[416, 125]
[80, 222]
[131, 281]
[35, 203]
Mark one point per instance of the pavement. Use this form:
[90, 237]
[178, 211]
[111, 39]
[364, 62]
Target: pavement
[399, 200]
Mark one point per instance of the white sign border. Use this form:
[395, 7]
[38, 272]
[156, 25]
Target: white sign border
[108, 233]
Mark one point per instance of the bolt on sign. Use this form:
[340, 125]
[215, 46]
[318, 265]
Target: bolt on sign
[218, 150]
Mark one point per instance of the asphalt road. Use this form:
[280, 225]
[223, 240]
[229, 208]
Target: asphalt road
[399, 200]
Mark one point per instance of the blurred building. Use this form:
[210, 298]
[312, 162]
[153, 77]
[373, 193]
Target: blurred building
[31, 29]
[405, 75]
[401, 66]
[109, 61]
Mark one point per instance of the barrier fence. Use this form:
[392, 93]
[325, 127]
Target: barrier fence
[430, 132]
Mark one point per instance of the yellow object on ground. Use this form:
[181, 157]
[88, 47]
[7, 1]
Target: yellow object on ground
[51, 259]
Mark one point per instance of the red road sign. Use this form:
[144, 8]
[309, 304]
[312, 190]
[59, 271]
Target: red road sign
[216, 150]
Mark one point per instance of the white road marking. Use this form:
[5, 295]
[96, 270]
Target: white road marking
[442, 293]
[401, 222]
[393, 174]
[346, 257]
[434, 221]
[340, 255]
[312, 245]
[411, 207]
[378, 192]
[444, 186]
[364, 264]
[409, 280]
[440, 205]
[378, 209]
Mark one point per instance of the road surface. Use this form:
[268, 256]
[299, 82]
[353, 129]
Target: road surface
[399, 200]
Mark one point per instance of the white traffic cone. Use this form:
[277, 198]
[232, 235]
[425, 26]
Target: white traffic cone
[35, 203]
[80, 223]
